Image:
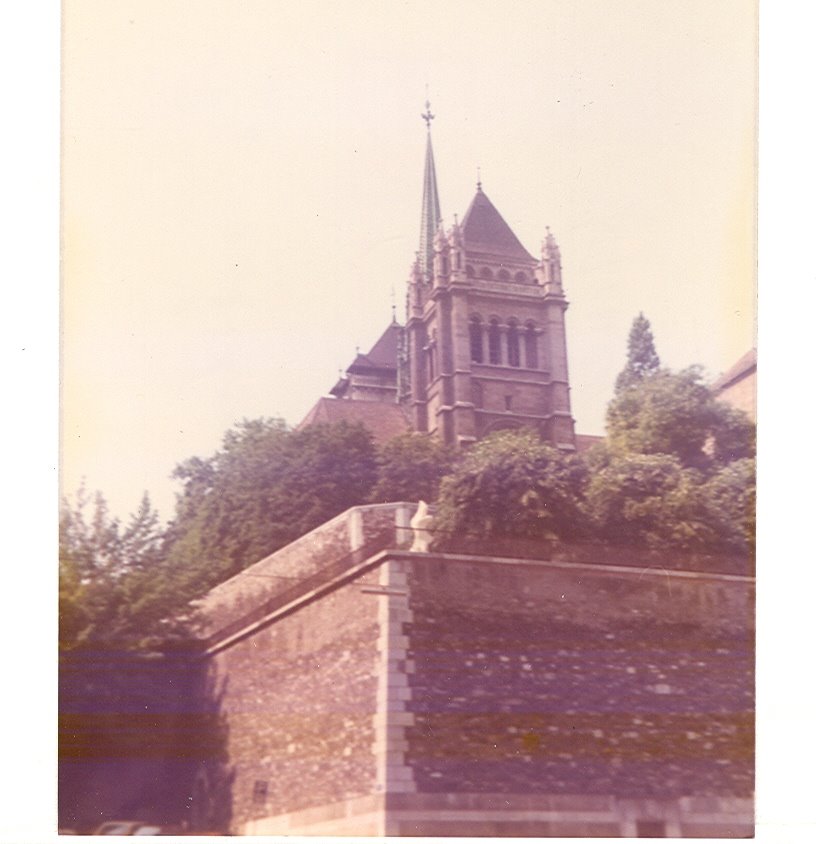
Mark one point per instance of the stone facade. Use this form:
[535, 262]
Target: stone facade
[486, 337]
[452, 693]
[484, 344]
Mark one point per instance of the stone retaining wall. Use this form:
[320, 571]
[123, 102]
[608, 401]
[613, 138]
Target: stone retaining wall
[531, 679]
[434, 694]
[299, 698]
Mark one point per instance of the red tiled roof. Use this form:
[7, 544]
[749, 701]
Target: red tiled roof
[744, 366]
[485, 230]
[385, 420]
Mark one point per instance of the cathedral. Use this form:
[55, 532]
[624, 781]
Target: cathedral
[483, 347]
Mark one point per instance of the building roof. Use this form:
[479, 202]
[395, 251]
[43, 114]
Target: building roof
[383, 354]
[385, 420]
[485, 230]
[744, 366]
[583, 442]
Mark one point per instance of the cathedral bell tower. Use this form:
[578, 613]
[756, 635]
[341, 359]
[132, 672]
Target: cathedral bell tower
[485, 344]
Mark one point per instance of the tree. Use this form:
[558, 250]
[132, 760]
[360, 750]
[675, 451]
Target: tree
[733, 435]
[647, 499]
[641, 358]
[410, 468]
[676, 414]
[265, 487]
[729, 501]
[104, 570]
[131, 585]
[513, 484]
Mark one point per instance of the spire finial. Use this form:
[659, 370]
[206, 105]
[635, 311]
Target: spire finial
[393, 305]
[478, 178]
[427, 116]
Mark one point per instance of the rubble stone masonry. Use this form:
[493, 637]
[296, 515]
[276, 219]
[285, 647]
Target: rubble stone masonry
[469, 694]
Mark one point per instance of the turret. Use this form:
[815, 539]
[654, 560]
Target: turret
[551, 265]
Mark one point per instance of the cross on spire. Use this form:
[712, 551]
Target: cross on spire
[427, 116]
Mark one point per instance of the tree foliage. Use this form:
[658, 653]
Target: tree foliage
[410, 468]
[131, 585]
[729, 502]
[677, 468]
[641, 356]
[102, 568]
[648, 499]
[676, 414]
[513, 484]
[264, 488]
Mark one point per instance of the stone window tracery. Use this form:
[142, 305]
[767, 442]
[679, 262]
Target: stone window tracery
[513, 347]
[494, 342]
[531, 347]
[476, 347]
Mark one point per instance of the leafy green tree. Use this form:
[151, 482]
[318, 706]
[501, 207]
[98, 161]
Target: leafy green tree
[513, 484]
[265, 487]
[647, 499]
[676, 414]
[733, 435]
[410, 468]
[73, 619]
[729, 501]
[641, 357]
[104, 570]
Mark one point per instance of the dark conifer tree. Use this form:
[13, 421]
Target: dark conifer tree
[641, 357]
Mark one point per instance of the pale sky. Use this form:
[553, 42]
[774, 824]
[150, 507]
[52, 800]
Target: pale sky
[242, 185]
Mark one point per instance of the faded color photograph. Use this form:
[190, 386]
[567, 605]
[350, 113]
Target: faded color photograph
[408, 418]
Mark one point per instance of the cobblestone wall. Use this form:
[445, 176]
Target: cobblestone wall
[299, 698]
[570, 681]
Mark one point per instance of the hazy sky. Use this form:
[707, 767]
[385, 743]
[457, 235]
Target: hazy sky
[242, 184]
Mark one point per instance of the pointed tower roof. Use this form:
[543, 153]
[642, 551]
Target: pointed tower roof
[431, 216]
[486, 231]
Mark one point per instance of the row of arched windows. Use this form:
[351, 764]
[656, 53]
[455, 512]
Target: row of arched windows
[502, 275]
[509, 352]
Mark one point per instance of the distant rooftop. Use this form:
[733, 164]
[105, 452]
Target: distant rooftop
[744, 366]
[385, 420]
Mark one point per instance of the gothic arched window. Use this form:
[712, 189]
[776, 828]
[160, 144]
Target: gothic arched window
[476, 350]
[494, 341]
[504, 275]
[521, 278]
[513, 349]
[470, 272]
[531, 347]
[487, 273]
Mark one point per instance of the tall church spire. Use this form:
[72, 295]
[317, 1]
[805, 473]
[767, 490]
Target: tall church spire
[431, 217]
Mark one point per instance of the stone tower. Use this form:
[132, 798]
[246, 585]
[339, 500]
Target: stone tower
[485, 337]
